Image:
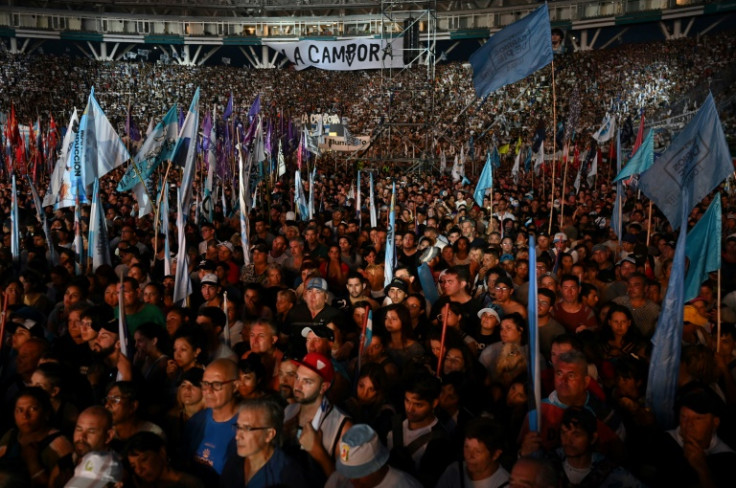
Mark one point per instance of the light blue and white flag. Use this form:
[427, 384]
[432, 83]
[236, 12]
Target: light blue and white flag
[186, 151]
[695, 163]
[61, 176]
[606, 130]
[165, 227]
[513, 53]
[372, 204]
[97, 148]
[300, 202]
[312, 176]
[14, 223]
[182, 283]
[158, 146]
[485, 182]
[388, 265]
[282, 163]
[98, 245]
[703, 249]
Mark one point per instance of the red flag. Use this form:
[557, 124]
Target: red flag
[639, 136]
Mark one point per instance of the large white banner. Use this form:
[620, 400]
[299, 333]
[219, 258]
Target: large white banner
[354, 54]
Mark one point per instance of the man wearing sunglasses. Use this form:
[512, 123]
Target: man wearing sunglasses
[209, 439]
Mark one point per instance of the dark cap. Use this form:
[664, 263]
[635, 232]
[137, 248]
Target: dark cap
[703, 401]
[321, 331]
[260, 247]
[397, 283]
[194, 376]
[207, 264]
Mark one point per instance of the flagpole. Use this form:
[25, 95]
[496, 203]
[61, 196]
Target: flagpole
[554, 149]
[363, 327]
[445, 313]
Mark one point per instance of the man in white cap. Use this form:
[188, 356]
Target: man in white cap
[314, 311]
[363, 462]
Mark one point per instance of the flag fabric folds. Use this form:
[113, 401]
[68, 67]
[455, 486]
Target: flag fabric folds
[242, 189]
[60, 174]
[186, 149]
[372, 204]
[388, 273]
[703, 249]
[513, 53]
[606, 130]
[182, 284]
[641, 161]
[535, 411]
[98, 245]
[485, 182]
[695, 163]
[667, 339]
[14, 223]
[300, 201]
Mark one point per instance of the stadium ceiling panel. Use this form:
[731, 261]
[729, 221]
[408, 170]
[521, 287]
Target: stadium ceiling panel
[248, 8]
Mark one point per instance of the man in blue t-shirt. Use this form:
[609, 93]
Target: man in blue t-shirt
[210, 434]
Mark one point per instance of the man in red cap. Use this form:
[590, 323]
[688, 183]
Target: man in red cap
[312, 425]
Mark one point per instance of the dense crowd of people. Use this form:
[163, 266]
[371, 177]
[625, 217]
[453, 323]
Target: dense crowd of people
[269, 374]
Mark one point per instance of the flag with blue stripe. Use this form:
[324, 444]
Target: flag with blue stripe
[485, 182]
[703, 249]
[390, 254]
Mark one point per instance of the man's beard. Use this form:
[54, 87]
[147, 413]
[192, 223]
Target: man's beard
[104, 353]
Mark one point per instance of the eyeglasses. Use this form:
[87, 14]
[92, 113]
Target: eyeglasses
[115, 400]
[248, 428]
[215, 385]
[502, 288]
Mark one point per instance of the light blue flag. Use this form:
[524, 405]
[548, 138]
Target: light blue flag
[165, 227]
[300, 202]
[703, 249]
[158, 147]
[641, 161]
[388, 264]
[41, 216]
[186, 151]
[372, 206]
[243, 179]
[14, 224]
[514, 53]
[618, 205]
[310, 204]
[535, 400]
[667, 340]
[97, 149]
[428, 285]
[98, 245]
[495, 158]
[182, 283]
[696, 162]
[485, 182]
[61, 176]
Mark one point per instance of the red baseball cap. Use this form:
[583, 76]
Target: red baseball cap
[320, 364]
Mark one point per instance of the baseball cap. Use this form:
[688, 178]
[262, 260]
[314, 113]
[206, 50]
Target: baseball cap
[209, 279]
[690, 314]
[260, 247]
[96, 469]
[319, 364]
[226, 244]
[361, 452]
[319, 283]
[429, 254]
[194, 376]
[320, 331]
[600, 247]
[396, 283]
[627, 259]
[207, 264]
[489, 310]
[111, 325]
[560, 236]
[703, 401]
[30, 319]
[290, 216]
